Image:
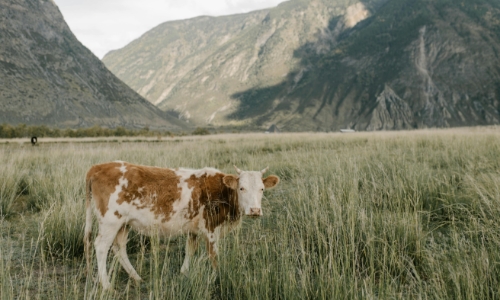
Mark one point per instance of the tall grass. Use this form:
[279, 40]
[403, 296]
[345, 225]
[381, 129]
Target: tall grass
[12, 180]
[379, 215]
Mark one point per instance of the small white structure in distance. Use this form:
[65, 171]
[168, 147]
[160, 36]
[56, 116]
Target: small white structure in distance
[347, 130]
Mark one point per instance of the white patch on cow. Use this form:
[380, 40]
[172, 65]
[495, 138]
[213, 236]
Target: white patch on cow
[186, 173]
[122, 182]
[140, 189]
[214, 237]
[123, 169]
[136, 202]
[208, 171]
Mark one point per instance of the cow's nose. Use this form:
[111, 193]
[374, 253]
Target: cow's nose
[255, 212]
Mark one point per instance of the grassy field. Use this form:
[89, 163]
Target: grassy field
[389, 215]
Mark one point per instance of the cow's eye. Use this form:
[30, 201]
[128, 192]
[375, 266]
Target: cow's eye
[242, 189]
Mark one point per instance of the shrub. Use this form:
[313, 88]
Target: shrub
[201, 131]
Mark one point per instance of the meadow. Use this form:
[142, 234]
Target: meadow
[385, 215]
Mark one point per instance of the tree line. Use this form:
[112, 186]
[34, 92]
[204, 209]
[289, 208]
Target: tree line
[23, 130]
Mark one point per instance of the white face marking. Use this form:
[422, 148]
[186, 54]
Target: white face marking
[250, 189]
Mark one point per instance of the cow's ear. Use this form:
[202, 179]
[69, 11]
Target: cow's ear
[271, 181]
[230, 181]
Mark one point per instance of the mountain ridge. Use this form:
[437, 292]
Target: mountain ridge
[49, 78]
[422, 67]
[304, 65]
[232, 46]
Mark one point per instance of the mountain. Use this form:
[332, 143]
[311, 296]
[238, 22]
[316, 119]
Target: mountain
[325, 65]
[193, 67]
[48, 77]
[412, 64]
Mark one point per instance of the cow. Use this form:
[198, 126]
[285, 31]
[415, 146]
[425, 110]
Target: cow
[198, 203]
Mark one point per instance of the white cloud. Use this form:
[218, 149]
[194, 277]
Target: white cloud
[104, 25]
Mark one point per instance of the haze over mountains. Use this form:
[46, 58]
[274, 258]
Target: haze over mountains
[48, 77]
[325, 65]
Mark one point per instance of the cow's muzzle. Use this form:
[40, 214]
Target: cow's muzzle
[254, 212]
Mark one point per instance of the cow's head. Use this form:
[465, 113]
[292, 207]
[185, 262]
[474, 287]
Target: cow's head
[250, 186]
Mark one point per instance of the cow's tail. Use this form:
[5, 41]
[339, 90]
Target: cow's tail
[88, 224]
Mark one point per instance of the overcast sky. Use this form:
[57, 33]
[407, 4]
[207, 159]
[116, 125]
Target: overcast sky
[104, 25]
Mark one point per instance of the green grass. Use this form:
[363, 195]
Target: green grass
[394, 215]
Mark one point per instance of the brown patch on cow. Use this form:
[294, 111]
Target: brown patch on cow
[103, 180]
[270, 181]
[194, 203]
[163, 183]
[220, 201]
[118, 214]
[159, 189]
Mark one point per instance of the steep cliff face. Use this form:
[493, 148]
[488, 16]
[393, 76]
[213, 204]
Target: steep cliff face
[48, 77]
[412, 64]
[326, 65]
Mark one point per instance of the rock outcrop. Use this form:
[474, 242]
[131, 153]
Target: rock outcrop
[391, 112]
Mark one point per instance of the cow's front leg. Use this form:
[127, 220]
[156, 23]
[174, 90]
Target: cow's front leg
[212, 239]
[191, 246]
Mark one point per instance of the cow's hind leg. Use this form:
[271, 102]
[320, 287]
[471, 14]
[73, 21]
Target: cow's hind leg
[120, 249]
[191, 246]
[107, 234]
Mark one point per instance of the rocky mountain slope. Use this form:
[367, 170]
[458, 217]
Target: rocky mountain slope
[195, 66]
[413, 64]
[326, 65]
[48, 77]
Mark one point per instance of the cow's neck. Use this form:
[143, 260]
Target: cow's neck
[234, 212]
[220, 202]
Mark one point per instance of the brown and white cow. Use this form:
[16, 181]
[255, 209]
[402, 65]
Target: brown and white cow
[204, 202]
